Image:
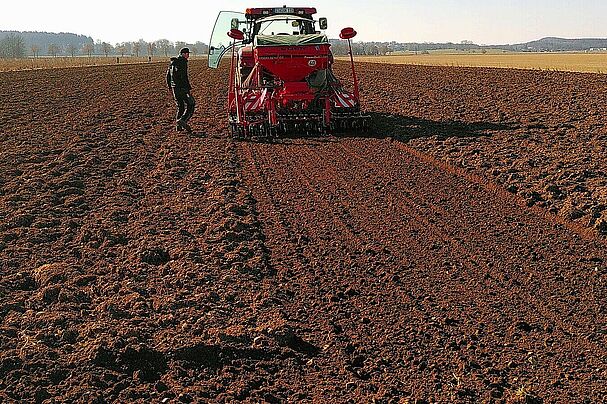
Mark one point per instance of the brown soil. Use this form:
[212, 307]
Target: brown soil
[453, 254]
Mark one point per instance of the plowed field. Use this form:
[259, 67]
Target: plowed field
[456, 253]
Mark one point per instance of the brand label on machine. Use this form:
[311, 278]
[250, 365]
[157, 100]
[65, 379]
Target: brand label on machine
[284, 10]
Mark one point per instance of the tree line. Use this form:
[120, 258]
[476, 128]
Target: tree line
[12, 46]
[15, 45]
[340, 48]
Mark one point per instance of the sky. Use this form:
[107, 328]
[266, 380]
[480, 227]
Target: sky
[481, 21]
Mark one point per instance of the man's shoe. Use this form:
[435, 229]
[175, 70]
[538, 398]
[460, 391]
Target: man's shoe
[179, 128]
[185, 126]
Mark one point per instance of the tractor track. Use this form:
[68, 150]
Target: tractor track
[493, 279]
[410, 208]
[301, 262]
[329, 173]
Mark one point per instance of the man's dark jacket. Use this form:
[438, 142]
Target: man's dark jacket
[177, 74]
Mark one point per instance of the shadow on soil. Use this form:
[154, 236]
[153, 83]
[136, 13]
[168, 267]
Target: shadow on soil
[406, 128]
[401, 128]
[215, 356]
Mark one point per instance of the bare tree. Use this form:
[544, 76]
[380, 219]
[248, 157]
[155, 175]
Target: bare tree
[106, 48]
[371, 49]
[71, 49]
[35, 50]
[339, 48]
[121, 47]
[179, 45]
[358, 49]
[136, 48]
[53, 49]
[12, 46]
[151, 48]
[17, 46]
[88, 48]
[165, 46]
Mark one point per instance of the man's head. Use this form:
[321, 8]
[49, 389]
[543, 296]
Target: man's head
[185, 52]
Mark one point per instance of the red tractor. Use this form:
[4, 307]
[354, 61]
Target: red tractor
[281, 76]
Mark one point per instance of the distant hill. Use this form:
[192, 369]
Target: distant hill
[552, 44]
[43, 39]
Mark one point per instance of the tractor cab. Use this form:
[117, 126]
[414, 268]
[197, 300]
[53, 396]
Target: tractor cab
[265, 22]
[284, 25]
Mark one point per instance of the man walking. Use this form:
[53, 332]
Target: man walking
[179, 84]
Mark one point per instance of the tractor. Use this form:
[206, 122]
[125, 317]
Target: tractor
[281, 77]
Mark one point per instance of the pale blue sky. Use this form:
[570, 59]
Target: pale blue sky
[484, 22]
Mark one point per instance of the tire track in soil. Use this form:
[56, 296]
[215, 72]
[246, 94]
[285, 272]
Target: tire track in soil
[505, 279]
[586, 336]
[591, 299]
[306, 168]
[331, 274]
[377, 285]
[471, 266]
[303, 264]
